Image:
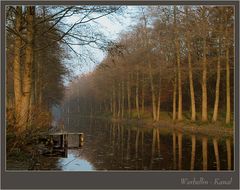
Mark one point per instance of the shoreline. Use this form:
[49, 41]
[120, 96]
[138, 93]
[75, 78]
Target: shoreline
[209, 129]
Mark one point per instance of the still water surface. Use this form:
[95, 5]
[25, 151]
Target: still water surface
[114, 146]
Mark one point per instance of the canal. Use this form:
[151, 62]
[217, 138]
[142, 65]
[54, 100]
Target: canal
[114, 146]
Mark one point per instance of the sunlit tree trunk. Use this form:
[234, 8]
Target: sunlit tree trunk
[217, 90]
[17, 68]
[159, 101]
[129, 96]
[153, 94]
[27, 80]
[143, 96]
[154, 111]
[228, 98]
[174, 97]
[204, 82]
[177, 47]
[204, 66]
[114, 102]
[137, 94]
[119, 100]
[123, 99]
[190, 74]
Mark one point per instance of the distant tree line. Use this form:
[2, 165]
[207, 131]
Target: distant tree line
[176, 59]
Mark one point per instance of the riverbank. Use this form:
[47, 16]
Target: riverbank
[218, 128]
[210, 129]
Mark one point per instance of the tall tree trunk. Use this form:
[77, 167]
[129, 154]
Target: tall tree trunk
[174, 97]
[159, 101]
[177, 47]
[179, 86]
[27, 80]
[143, 96]
[191, 86]
[228, 101]
[119, 99]
[129, 96]
[153, 93]
[215, 111]
[137, 94]
[204, 82]
[123, 99]
[17, 68]
[114, 102]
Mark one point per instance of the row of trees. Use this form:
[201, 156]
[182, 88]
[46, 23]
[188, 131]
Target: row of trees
[40, 39]
[176, 59]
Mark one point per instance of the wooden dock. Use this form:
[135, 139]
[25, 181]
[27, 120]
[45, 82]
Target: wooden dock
[64, 137]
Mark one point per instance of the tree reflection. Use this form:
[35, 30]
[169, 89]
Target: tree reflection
[174, 150]
[205, 153]
[229, 154]
[193, 152]
[179, 150]
[216, 152]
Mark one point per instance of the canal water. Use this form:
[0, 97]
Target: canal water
[114, 146]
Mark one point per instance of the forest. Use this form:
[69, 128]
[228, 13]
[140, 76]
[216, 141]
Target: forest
[176, 63]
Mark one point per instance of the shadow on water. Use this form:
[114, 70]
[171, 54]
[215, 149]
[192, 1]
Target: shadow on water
[114, 146]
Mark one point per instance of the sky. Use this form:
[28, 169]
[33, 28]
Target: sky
[110, 27]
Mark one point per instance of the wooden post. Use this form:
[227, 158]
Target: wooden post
[65, 140]
[61, 140]
[81, 139]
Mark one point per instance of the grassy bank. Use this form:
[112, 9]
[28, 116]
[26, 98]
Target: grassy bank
[186, 125]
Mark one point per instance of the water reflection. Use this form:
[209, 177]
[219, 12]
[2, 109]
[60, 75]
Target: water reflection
[205, 152]
[113, 146]
[229, 154]
[74, 162]
[216, 152]
[193, 152]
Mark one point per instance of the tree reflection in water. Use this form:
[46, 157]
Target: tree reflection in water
[114, 146]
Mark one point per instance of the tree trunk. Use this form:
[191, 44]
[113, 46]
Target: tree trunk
[174, 97]
[159, 101]
[123, 99]
[177, 47]
[153, 93]
[228, 101]
[17, 69]
[137, 94]
[114, 102]
[119, 99]
[27, 80]
[215, 111]
[129, 96]
[191, 86]
[204, 83]
[143, 97]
